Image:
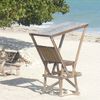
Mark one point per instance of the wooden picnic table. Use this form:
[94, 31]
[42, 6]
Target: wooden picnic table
[50, 54]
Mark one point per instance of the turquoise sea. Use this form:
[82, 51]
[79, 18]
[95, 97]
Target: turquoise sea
[85, 11]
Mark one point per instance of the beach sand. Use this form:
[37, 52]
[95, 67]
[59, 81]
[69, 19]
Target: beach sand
[28, 85]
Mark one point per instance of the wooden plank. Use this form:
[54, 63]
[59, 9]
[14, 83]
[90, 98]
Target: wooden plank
[70, 30]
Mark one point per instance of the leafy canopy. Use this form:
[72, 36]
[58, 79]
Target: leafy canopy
[28, 12]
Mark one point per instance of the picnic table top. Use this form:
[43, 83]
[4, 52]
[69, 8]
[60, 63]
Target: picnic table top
[59, 29]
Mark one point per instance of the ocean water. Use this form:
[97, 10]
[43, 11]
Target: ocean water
[84, 11]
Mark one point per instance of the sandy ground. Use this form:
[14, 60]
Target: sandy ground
[28, 85]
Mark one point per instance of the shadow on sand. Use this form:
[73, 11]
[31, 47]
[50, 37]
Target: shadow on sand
[31, 84]
[14, 44]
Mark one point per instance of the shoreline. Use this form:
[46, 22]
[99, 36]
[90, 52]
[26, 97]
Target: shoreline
[89, 36]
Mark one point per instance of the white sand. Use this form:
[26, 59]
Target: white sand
[28, 85]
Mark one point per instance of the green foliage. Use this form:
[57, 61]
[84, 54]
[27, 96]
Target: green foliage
[28, 12]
